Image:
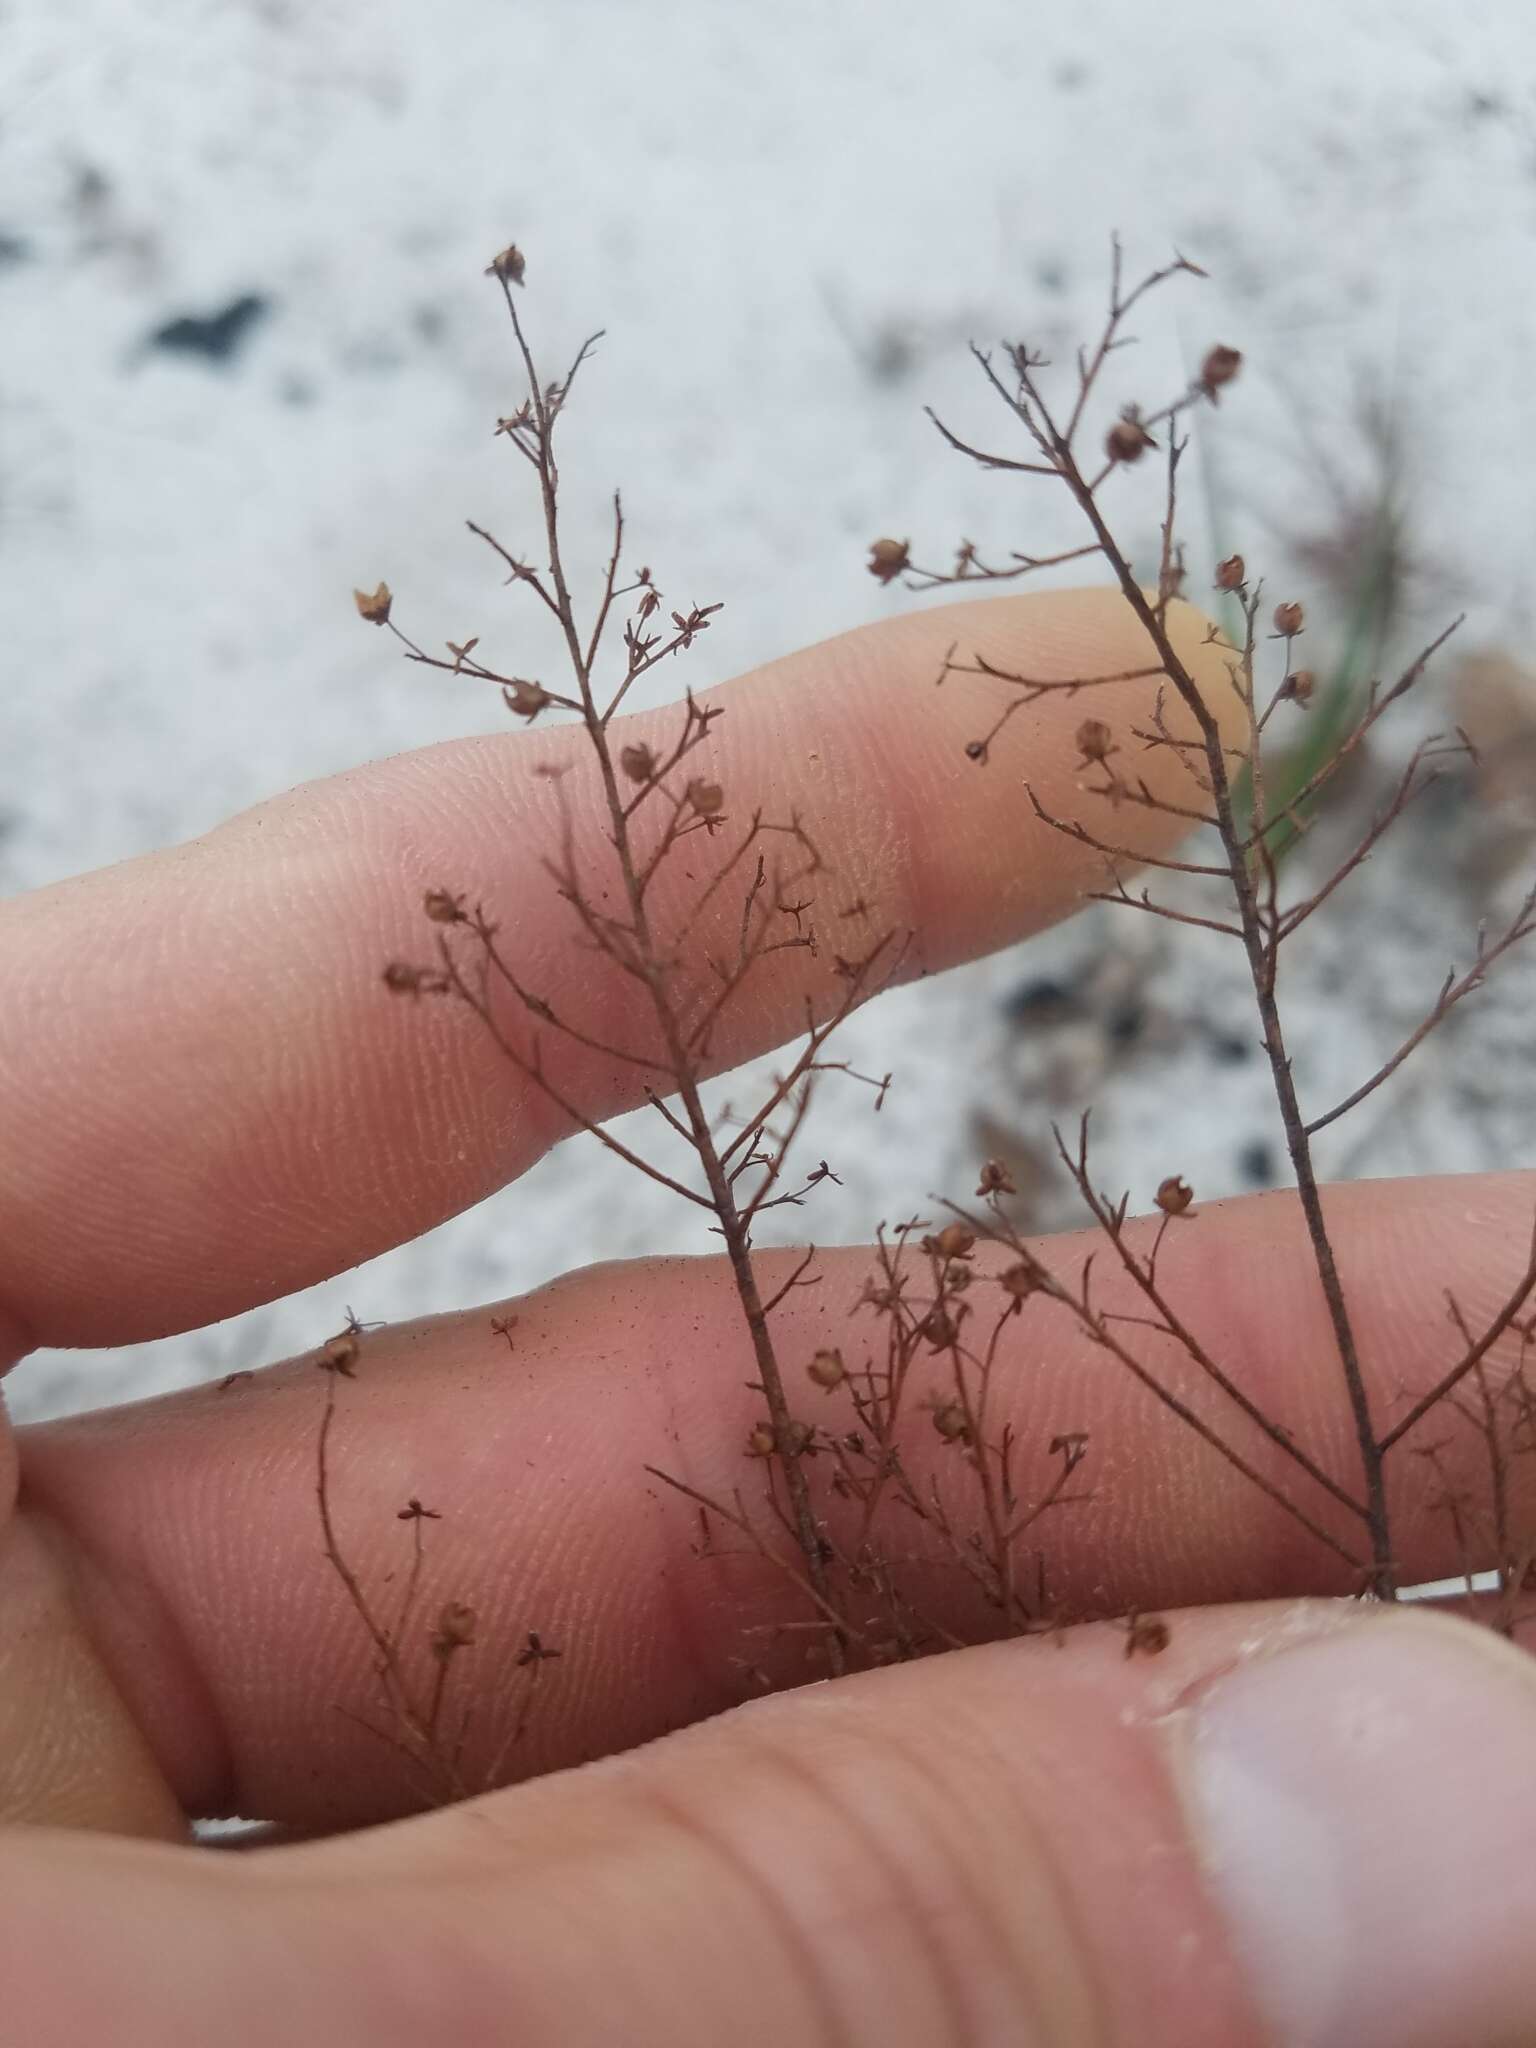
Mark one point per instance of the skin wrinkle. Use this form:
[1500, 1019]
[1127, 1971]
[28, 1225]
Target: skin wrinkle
[690, 1820]
[979, 1913]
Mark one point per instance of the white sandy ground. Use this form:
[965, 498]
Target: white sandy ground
[789, 217]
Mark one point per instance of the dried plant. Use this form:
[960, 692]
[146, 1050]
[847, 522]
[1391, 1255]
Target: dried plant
[921, 1469]
[1236, 892]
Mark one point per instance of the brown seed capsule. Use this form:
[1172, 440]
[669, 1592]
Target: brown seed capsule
[949, 1420]
[958, 1276]
[995, 1179]
[1095, 741]
[706, 797]
[1289, 619]
[1147, 1635]
[638, 761]
[455, 1629]
[940, 1328]
[1231, 574]
[402, 979]
[827, 1369]
[1020, 1281]
[1221, 365]
[889, 559]
[443, 908]
[1299, 686]
[340, 1354]
[1127, 440]
[509, 266]
[1174, 1195]
[374, 605]
[954, 1241]
[760, 1441]
[801, 1435]
[526, 699]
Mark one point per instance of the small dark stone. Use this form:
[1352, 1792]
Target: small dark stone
[1256, 1163]
[216, 337]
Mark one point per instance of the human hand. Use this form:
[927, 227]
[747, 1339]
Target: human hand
[1298, 1809]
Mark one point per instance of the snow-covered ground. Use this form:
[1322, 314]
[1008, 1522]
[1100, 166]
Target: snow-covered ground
[789, 217]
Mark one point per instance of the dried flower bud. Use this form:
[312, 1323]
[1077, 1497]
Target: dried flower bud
[1072, 1445]
[509, 266]
[1289, 619]
[995, 1179]
[940, 1328]
[1095, 741]
[706, 797]
[638, 761]
[949, 1420]
[889, 559]
[801, 1436]
[958, 1276]
[760, 1441]
[402, 979]
[1299, 686]
[1174, 1195]
[526, 699]
[954, 1241]
[1221, 365]
[455, 1629]
[827, 1369]
[1147, 1635]
[1231, 574]
[374, 605]
[1020, 1281]
[1127, 440]
[339, 1354]
[443, 908]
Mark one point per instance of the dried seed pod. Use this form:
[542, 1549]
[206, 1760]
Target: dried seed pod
[638, 761]
[954, 1241]
[455, 1629]
[1147, 1635]
[1127, 440]
[373, 605]
[889, 559]
[1221, 365]
[1231, 574]
[760, 1441]
[1174, 1195]
[1095, 741]
[949, 1420]
[510, 265]
[1299, 686]
[526, 699]
[827, 1369]
[340, 1354]
[706, 797]
[442, 907]
[1020, 1281]
[995, 1179]
[1289, 619]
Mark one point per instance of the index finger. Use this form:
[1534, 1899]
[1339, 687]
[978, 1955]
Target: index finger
[209, 1100]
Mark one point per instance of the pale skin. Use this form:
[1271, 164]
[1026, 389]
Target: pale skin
[209, 1101]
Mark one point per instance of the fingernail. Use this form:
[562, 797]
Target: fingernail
[1366, 1805]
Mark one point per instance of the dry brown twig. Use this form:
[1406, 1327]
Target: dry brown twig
[856, 1515]
[1245, 865]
